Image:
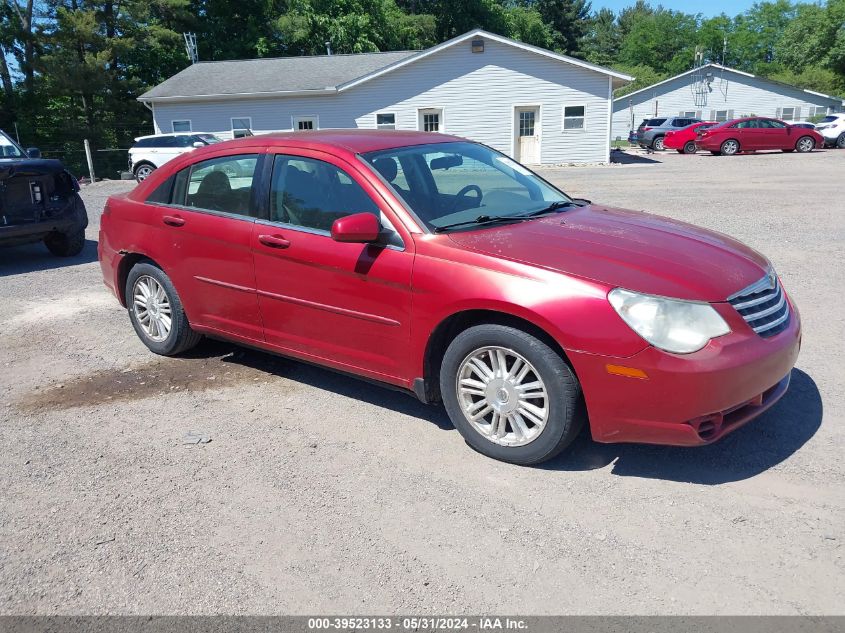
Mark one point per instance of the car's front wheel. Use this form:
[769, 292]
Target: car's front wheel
[65, 244]
[156, 312]
[510, 395]
[729, 147]
[840, 141]
[805, 144]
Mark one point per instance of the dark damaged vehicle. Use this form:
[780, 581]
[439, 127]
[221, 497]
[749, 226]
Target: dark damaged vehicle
[39, 201]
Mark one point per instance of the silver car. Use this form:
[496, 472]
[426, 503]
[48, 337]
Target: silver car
[651, 131]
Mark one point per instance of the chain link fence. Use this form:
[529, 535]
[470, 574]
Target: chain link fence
[108, 163]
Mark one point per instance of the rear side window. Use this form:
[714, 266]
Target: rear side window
[655, 122]
[222, 184]
[145, 142]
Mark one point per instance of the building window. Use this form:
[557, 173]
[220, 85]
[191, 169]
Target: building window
[181, 126]
[721, 115]
[689, 114]
[527, 119]
[787, 114]
[386, 121]
[574, 117]
[241, 126]
[431, 120]
[302, 123]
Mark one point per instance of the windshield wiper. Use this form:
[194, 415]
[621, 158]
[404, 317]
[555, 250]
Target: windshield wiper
[481, 219]
[495, 219]
[554, 206]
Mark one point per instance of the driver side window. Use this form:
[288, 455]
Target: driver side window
[312, 194]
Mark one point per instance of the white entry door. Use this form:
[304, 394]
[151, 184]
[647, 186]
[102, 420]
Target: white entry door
[528, 135]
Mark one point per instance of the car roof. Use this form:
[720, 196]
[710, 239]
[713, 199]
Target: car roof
[166, 134]
[357, 141]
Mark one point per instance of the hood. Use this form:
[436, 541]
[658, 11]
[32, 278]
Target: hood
[29, 167]
[630, 249]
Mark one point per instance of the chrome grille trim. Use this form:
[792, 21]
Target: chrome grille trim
[763, 305]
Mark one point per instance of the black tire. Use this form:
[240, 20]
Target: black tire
[690, 148]
[840, 142]
[181, 337]
[786, 151]
[65, 244]
[565, 416]
[714, 152]
[657, 144]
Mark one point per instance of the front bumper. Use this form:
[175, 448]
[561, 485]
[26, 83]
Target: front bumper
[71, 219]
[692, 399]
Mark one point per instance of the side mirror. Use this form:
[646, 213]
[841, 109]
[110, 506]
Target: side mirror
[33, 152]
[358, 227]
[198, 144]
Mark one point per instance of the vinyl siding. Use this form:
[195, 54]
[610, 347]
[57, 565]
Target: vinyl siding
[742, 95]
[477, 92]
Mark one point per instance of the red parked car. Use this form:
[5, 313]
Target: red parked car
[445, 268]
[683, 140]
[752, 134]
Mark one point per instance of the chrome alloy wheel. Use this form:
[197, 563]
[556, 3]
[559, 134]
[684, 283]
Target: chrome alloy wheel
[143, 172]
[730, 147]
[502, 396]
[806, 144]
[152, 308]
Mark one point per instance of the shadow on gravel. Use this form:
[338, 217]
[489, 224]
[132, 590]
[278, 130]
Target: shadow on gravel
[624, 158]
[27, 258]
[355, 387]
[749, 451]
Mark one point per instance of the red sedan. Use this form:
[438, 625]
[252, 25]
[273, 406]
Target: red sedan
[752, 134]
[445, 268]
[683, 140]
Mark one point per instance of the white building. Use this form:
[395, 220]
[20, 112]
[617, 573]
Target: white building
[530, 103]
[719, 93]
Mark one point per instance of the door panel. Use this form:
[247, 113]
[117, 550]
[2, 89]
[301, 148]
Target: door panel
[342, 303]
[216, 276]
[348, 303]
[528, 137]
[210, 222]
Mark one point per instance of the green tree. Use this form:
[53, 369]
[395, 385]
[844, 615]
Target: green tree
[601, 44]
[569, 19]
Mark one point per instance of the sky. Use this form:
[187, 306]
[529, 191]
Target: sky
[707, 8]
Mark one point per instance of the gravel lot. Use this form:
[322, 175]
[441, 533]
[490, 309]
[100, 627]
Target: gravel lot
[320, 493]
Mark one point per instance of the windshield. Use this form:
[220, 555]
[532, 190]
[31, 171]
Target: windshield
[210, 138]
[9, 149]
[450, 183]
[829, 118]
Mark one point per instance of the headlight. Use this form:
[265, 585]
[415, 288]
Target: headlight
[676, 326]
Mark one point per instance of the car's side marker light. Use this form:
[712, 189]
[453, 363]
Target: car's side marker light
[630, 372]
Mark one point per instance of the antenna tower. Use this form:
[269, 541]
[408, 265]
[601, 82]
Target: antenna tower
[700, 82]
[191, 46]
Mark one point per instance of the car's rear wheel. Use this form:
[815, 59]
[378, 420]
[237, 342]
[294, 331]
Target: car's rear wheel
[156, 311]
[143, 171]
[657, 144]
[65, 244]
[511, 396]
[840, 142]
[805, 144]
[729, 147]
[690, 148]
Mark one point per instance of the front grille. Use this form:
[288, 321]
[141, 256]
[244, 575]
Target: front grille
[763, 305]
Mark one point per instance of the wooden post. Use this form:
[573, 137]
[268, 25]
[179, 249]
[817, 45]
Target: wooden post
[90, 160]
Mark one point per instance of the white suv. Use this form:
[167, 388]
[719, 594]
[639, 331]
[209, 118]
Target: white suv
[832, 128]
[151, 152]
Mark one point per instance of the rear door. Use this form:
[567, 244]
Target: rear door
[208, 224]
[347, 305]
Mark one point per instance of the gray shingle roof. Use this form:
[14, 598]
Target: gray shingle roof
[282, 74]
